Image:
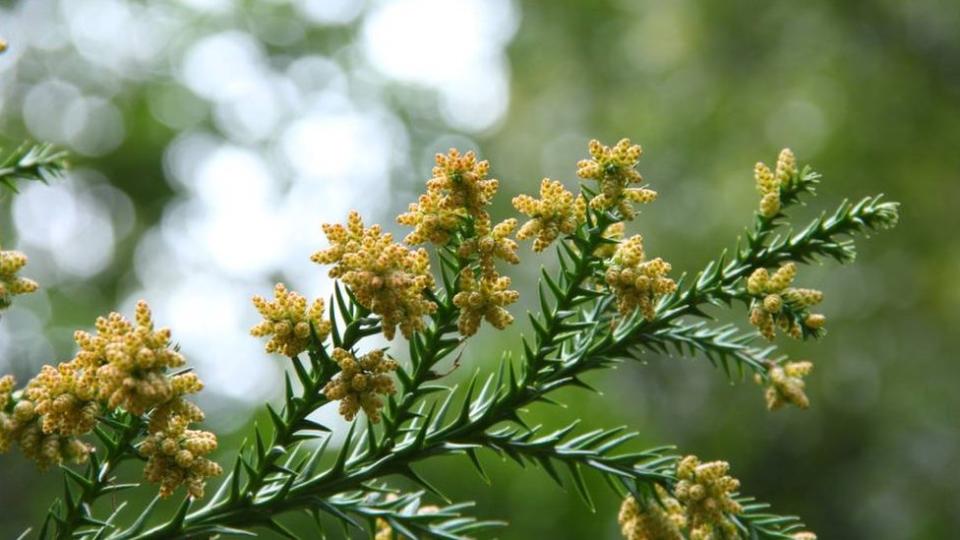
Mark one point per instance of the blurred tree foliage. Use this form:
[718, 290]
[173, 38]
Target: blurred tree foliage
[866, 91]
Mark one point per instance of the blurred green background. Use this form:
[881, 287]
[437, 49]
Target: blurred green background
[211, 138]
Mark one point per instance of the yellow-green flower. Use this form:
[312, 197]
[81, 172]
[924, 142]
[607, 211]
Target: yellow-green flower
[553, 214]
[614, 168]
[65, 398]
[775, 303]
[785, 384]
[131, 362]
[385, 277]
[636, 282]
[614, 233]
[360, 383]
[661, 519]
[11, 262]
[491, 244]
[20, 424]
[287, 320]
[431, 222]
[770, 184]
[706, 492]
[460, 181]
[178, 456]
[485, 298]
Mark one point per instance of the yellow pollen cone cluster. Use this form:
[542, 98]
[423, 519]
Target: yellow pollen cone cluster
[705, 490]
[11, 262]
[637, 282]
[771, 183]
[655, 520]
[775, 303]
[385, 277]
[360, 383]
[123, 366]
[483, 299]
[288, 321]
[553, 214]
[455, 207]
[176, 455]
[785, 385]
[614, 168]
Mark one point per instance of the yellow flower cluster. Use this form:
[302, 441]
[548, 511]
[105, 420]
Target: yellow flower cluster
[775, 303]
[770, 183]
[483, 299]
[124, 365]
[130, 362]
[636, 282]
[359, 382]
[7, 384]
[458, 192]
[556, 212]
[655, 520]
[460, 182]
[177, 455]
[385, 277]
[65, 398]
[456, 201]
[704, 490]
[21, 424]
[491, 244]
[11, 262]
[287, 321]
[615, 169]
[785, 384]
[431, 222]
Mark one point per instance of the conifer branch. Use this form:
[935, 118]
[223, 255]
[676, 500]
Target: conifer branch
[39, 162]
[599, 309]
[73, 515]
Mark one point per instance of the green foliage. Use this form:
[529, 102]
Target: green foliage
[37, 162]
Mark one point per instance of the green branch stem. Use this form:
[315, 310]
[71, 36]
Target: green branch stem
[75, 513]
[32, 162]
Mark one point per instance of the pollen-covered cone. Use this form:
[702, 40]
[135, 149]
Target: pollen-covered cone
[553, 214]
[705, 491]
[47, 450]
[636, 282]
[7, 385]
[769, 187]
[11, 262]
[460, 182]
[288, 320]
[65, 398]
[131, 360]
[360, 382]
[385, 277]
[20, 424]
[785, 385]
[431, 222]
[615, 170]
[771, 184]
[485, 298]
[775, 303]
[177, 456]
[660, 519]
[490, 245]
